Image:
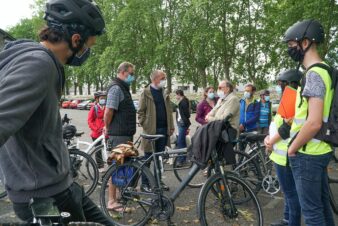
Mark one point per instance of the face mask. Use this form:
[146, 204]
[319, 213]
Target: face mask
[102, 102]
[220, 94]
[130, 79]
[279, 90]
[76, 60]
[162, 84]
[267, 98]
[296, 54]
[247, 95]
[211, 96]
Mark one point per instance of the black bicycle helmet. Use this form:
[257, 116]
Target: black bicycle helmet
[76, 13]
[291, 75]
[68, 132]
[100, 93]
[306, 29]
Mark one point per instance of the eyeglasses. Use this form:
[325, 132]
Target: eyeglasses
[220, 87]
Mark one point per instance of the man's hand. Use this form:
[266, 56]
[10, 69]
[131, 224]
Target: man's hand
[241, 128]
[291, 152]
[104, 131]
[268, 144]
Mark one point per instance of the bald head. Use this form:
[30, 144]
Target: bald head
[226, 86]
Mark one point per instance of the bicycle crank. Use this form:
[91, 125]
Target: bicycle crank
[166, 211]
[270, 184]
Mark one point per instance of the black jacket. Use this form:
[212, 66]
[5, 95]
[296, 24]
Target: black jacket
[184, 111]
[211, 136]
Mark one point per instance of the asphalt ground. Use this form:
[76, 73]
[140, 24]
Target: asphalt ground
[185, 205]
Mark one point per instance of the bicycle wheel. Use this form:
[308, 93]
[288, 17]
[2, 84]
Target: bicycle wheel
[248, 170]
[84, 170]
[96, 155]
[182, 171]
[333, 184]
[215, 209]
[3, 192]
[135, 205]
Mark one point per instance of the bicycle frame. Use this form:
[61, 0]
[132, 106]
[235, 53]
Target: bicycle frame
[92, 145]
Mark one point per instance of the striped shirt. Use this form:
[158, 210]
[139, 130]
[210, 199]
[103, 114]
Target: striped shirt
[264, 114]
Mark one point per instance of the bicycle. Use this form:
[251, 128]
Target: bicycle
[333, 182]
[226, 193]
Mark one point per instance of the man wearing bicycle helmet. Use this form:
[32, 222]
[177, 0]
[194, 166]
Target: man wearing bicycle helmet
[33, 157]
[277, 142]
[309, 156]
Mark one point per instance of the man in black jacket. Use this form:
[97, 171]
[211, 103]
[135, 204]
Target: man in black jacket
[33, 157]
[183, 122]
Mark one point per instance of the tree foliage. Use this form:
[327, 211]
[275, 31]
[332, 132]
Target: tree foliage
[194, 41]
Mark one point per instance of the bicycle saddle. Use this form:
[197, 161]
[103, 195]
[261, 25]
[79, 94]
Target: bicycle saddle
[255, 137]
[79, 134]
[151, 137]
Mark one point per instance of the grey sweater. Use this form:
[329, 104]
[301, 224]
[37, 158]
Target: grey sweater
[33, 157]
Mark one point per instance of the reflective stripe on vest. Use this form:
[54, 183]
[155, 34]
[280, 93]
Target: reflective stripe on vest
[314, 146]
[278, 155]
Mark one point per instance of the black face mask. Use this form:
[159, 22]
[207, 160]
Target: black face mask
[76, 60]
[296, 54]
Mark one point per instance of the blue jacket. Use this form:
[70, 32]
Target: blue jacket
[249, 118]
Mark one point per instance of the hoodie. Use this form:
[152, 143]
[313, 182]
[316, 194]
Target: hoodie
[33, 158]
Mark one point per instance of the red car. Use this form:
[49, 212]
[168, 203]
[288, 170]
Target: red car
[66, 104]
[74, 104]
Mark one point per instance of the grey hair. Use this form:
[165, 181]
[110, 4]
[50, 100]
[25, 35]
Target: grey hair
[155, 73]
[125, 66]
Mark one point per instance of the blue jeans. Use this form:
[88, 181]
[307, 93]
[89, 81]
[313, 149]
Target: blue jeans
[292, 211]
[181, 141]
[310, 175]
[159, 147]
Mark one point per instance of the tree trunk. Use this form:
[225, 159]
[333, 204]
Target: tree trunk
[67, 88]
[203, 76]
[75, 88]
[88, 89]
[81, 89]
[169, 80]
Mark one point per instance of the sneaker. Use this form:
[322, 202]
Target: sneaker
[282, 222]
[146, 188]
[164, 186]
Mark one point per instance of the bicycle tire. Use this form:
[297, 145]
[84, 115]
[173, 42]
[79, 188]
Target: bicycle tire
[92, 154]
[245, 209]
[250, 171]
[134, 198]
[85, 174]
[180, 172]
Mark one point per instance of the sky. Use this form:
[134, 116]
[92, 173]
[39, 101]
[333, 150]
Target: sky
[11, 11]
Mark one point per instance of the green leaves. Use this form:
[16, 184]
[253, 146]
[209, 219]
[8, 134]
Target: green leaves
[195, 41]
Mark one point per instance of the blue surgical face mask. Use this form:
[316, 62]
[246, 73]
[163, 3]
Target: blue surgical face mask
[211, 96]
[267, 98]
[76, 60]
[130, 79]
[247, 95]
[102, 102]
[279, 90]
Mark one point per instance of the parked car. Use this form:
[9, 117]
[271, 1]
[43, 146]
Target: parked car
[274, 106]
[193, 106]
[66, 104]
[90, 105]
[83, 104]
[74, 104]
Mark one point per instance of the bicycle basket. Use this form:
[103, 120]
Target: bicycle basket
[123, 175]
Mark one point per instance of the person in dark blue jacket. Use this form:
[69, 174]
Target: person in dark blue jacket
[249, 110]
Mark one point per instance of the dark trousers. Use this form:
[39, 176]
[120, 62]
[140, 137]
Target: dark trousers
[292, 212]
[74, 201]
[159, 147]
[311, 179]
[98, 155]
[181, 141]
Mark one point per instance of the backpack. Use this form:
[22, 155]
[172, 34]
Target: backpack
[123, 176]
[329, 130]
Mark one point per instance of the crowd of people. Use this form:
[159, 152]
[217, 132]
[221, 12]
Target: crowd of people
[34, 159]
